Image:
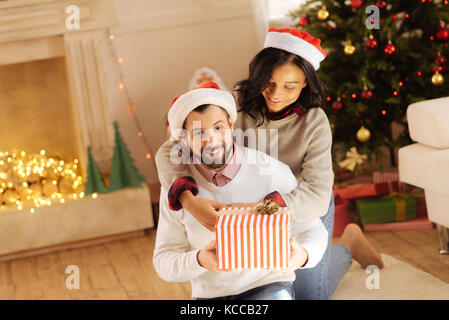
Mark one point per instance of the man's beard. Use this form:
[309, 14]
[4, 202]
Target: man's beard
[214, 163]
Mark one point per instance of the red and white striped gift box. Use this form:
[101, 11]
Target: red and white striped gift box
[246, 240]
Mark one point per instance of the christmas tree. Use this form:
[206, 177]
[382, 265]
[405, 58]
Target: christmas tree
[124, 172]
[94, 181]
[374, 74]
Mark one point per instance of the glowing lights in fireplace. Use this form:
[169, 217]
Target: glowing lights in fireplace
[37, 180]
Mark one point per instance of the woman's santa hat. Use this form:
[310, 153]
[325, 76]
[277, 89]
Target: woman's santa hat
[298, 42]
[207, 93]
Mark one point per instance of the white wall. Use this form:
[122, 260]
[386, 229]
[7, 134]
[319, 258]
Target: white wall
[162, 43]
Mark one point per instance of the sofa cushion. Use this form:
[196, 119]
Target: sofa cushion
[425, 167]
[428, 122]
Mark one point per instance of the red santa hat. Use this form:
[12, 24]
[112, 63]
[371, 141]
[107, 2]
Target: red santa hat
[298, 42]
[207, 93]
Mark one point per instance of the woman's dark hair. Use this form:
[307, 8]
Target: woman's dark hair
[249, 91]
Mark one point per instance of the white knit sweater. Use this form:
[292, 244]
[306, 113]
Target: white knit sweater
[180, 236]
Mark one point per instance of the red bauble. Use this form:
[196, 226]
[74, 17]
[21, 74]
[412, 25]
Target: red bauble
[381, 4]
[304, 20]
[337, 105]
[366, 94]
[440, 60]
[443, 34]
[390, 49]
[371, 43]
[440, 69]
[356, 3]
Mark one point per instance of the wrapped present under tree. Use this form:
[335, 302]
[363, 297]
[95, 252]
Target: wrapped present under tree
[391, 208]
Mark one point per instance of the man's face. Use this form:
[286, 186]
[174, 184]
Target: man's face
[210, 136]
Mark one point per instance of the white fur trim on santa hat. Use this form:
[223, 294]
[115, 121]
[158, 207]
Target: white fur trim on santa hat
[194, 98]
[293, 44]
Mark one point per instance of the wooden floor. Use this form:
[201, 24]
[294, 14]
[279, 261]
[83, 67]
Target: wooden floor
[123, 269]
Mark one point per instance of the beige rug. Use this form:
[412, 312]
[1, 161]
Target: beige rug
[397, 280]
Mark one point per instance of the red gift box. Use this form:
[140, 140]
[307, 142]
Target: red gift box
[249, 240]
[364, 186]
[341, 216]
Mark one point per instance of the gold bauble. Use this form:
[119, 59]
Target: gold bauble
[437, 79]
[349, 49]
[322, 13]
[363, 134]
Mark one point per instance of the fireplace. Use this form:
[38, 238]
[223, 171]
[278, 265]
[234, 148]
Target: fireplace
[55, 102]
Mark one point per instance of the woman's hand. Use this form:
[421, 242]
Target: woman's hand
[202, 209]
[298, 257]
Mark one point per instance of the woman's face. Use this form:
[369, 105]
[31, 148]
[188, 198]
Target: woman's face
[284, 87]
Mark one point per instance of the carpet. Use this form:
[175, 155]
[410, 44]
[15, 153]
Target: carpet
[396, 281]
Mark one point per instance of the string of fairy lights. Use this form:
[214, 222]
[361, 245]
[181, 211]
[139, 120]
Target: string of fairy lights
[30, 181]
[130, 106]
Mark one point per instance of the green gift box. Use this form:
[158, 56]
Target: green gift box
[391, 208]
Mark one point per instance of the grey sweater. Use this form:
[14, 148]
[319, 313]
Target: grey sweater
[303, 143]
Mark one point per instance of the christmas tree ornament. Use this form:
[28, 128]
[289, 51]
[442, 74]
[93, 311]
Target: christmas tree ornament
[371, 43]
[381, 4]
[363, 134]
[353, 158]
[322, 14]
[437, 79]
[304, 20]
[366, 94]
[337, 105]
[390, 48]
[440, 60]
[443, 33]
[356, 4]
[349, 48]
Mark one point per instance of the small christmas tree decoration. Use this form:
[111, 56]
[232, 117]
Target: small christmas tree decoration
[322, 14]
[437, 79]
[440, 60]
[371, 43]
[356, 4]
[337, 105]
[267, 207]
[349, 48]
[381, 4]
[443, 33]
[304, 20]
[124, 172]
[390, 48]
[353, 158]
[366, 94]
[94, 181]
[363, 134]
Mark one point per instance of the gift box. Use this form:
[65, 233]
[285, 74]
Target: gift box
[341, 216]
[247, 240]
[364, 186]
[394, 207]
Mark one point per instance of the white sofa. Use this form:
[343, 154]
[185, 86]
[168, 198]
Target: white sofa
[425, 164]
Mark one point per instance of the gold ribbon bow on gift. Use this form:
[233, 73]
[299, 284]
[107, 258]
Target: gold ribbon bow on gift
[399, 200]
[353, 158]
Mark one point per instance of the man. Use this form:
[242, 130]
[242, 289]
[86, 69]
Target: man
[227, 173]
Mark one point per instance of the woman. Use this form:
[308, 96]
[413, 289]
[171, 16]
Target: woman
[283, 92]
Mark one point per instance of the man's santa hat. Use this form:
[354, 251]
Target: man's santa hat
[207, 93]
[298, 42]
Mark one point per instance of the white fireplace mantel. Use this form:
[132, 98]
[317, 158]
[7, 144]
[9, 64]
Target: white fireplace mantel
[36, 29]
[32, 30]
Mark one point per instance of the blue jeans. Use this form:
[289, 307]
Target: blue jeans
[271, 291]
[320, 282]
